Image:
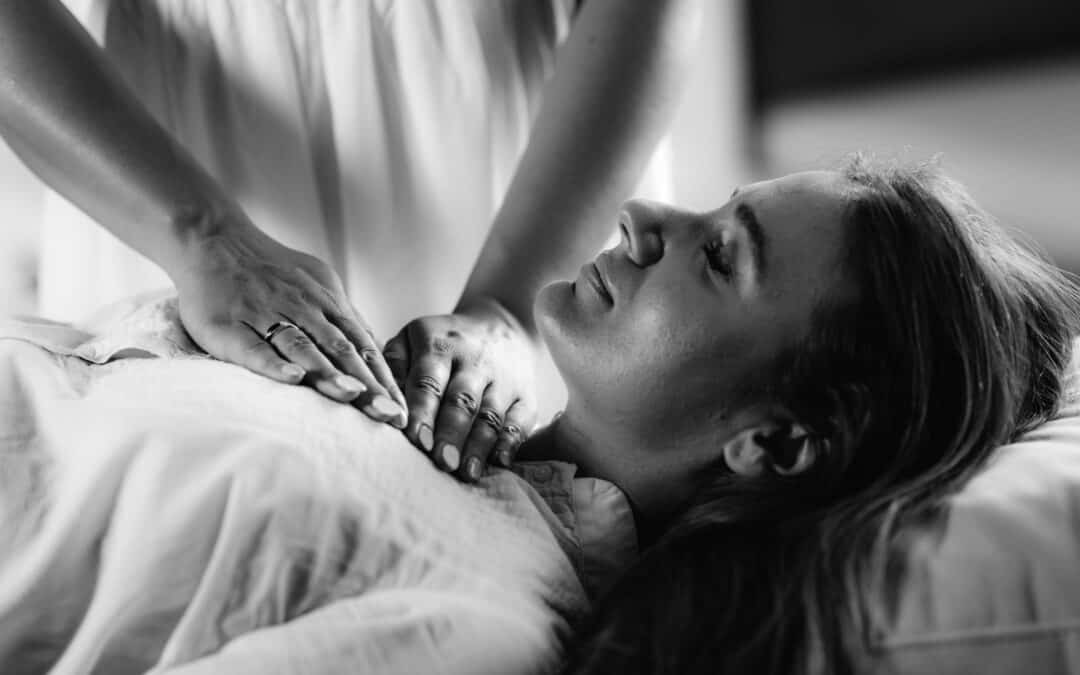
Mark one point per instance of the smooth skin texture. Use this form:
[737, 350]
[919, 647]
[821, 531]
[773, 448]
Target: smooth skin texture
[613, 93]
[66, 112]
[655, 366]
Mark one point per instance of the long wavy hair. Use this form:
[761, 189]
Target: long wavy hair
[956, 342]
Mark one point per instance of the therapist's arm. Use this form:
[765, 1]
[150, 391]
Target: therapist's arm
[66, 112]
[467, 375]
[613, 94]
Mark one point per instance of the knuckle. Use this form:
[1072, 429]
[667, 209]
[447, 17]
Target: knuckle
[350, 325]
[429, 384]
[442, 345]
[369, 354]
[298, 341]
[491, 419]
[340, 347]
[464, 400]
[512, 432]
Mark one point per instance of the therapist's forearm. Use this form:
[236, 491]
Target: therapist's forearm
[614, 91]
[68, 115]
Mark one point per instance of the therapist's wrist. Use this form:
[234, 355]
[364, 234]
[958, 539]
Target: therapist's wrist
[195, 230]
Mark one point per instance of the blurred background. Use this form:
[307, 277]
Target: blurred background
[993, 86]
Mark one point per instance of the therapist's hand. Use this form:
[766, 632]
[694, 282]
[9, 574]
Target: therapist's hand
[468, 378]
[235, 288]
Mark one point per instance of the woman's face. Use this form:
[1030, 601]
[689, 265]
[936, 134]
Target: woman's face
[657, 334]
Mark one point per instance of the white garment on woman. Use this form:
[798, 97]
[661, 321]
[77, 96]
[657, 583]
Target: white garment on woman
[163, 512]
[375, 134]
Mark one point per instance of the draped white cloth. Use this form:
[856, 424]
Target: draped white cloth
[378, 135]
[183, 515]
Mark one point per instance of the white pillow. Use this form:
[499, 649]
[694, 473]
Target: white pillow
[995, 586]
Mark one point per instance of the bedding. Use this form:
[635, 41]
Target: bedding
[993, 586]
[164, 512]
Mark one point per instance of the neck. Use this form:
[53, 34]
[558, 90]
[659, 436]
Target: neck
[567, 440]
[646, 475]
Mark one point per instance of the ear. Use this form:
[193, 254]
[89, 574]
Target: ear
[786, 449]
[744, 455]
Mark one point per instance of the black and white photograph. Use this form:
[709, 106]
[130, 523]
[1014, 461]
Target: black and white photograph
[539, 337]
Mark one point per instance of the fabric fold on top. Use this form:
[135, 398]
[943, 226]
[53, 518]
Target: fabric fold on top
[180, 514]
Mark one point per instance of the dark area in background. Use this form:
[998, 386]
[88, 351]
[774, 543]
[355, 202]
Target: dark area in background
[808, 47]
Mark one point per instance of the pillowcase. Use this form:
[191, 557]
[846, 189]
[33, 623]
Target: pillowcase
[994, 587]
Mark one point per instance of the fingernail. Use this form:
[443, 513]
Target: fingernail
[385, 406]
[400, 421]
[451, 456]
[472, 468]
[349, 384]
[426, 439]
[504, 458]
[292, 371]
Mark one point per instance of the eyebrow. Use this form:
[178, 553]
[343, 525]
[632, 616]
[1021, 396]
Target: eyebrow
[759, 243]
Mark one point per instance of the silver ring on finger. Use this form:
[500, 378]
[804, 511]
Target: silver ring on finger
[276, 328]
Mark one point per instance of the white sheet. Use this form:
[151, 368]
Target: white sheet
[184, 515]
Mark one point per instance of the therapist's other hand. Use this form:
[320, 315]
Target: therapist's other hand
[468, 378]
[235, 288]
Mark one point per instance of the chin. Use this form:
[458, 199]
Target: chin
[551, 309]
[556, 320]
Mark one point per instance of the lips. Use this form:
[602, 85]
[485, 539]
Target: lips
[595, 276]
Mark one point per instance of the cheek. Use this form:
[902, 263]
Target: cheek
[653, 352]
[689, 355]
[673, 329]
[645, 362]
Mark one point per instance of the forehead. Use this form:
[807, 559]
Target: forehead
[803, 217]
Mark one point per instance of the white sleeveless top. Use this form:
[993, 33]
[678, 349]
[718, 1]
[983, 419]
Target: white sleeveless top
[377, 135]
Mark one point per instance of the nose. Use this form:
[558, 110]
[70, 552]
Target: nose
[644, 229]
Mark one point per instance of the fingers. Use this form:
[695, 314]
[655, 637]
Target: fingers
[351, 347]
[469, 435]
[361, 356]
[459, 406]
[517, 422]
[295, 345]
[424, 387]
[484, 433]
[313, 346]
[465, 379]
[244, 345]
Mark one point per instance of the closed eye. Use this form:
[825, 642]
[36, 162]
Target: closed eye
[718, 260]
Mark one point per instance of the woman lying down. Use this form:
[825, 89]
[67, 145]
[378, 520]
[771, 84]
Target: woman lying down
[758, 396]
